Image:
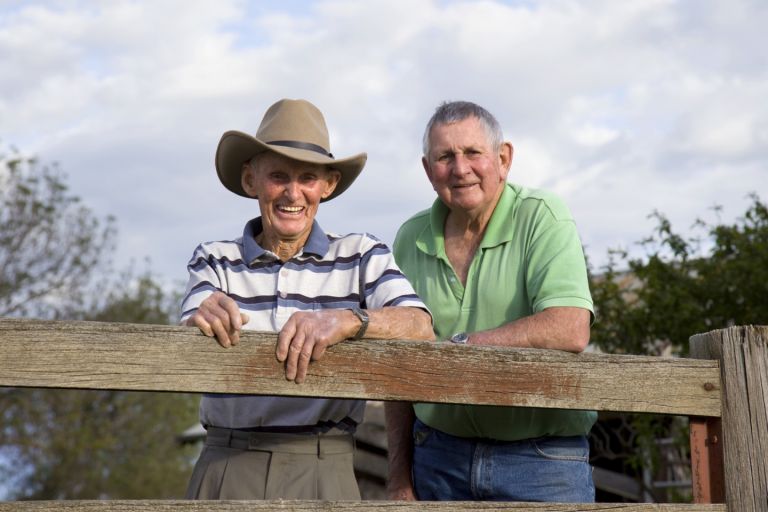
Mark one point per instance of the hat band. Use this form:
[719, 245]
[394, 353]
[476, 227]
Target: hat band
[301, 145]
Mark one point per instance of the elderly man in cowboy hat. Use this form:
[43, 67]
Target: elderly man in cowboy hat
[285, 274]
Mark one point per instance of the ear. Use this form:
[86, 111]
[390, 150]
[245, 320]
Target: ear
[427, 168]
[248, 180]
[332, 179]
[505, 158]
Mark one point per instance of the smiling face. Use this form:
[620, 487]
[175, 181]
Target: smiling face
[289, 193]
[465, 170]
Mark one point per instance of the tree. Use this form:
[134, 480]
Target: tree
[133, 298]
[72, 444]
[50, 245]
[714, 279]
[651, 305]
[75, 444]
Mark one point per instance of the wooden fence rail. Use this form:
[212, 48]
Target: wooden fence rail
[97, 355]
[93, 355]
[339, 506]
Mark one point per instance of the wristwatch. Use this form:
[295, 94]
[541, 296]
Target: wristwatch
[364, 319]
[460, 337]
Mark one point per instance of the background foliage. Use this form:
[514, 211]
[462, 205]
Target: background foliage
[51, 245]
[71, 444]
[651, 305]
[682, 286]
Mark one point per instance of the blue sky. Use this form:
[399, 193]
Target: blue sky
[621, 108]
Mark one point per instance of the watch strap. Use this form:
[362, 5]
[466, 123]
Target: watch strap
[364, 319]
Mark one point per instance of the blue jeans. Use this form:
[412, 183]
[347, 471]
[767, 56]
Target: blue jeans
[449, 468]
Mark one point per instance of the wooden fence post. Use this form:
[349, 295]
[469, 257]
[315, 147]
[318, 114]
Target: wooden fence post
[743, 357]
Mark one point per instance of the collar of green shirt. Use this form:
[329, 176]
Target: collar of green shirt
[499, 230]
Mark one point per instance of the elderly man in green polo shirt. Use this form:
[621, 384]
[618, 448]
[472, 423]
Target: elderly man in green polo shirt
[497, 264]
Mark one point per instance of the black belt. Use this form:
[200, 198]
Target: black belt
[319, 445]
[345, 425]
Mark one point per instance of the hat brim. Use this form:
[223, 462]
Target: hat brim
[235, 148]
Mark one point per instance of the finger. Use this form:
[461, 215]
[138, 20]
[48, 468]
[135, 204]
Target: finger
[229, 305]
[211, 309]
[228, 311]
[284, 339]
[304, 358]
[244, 319]
[319, 350]
[234, 332]
[234, 337]
[294, 351]
[198, 321]
[221, 333]
[223, 314]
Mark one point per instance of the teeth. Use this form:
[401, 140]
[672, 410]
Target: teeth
[292, 209]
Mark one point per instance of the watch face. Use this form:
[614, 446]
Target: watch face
[461, 338]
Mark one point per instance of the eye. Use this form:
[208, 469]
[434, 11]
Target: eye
[278, 177]
[309, 178]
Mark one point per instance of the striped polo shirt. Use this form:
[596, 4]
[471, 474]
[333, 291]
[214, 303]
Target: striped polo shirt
[331, 271]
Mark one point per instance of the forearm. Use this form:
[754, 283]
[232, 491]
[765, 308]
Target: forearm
[400, 323]
[399, 420]
[559, 328]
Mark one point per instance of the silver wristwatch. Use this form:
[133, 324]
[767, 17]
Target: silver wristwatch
[363, 316]
[460, 337]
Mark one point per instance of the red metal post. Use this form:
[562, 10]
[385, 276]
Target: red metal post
[707, 460]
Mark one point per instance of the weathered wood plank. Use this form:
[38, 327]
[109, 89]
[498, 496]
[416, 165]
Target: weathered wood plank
[316, 506]
[95, 355]
[743, 355]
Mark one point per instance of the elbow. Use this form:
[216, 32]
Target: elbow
[425, 330]
[579, 340]
[427, 334]
[566, 328]
[575, 336]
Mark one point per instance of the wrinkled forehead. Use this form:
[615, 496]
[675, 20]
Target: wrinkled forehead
[464, 133]
[270, 162]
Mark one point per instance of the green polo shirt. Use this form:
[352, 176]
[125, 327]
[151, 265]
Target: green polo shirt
[530, 259]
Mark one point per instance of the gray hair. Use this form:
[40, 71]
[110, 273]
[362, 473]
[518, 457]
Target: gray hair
[454, 111]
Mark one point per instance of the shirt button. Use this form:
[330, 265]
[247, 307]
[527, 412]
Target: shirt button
[283, 273]
[283, 295]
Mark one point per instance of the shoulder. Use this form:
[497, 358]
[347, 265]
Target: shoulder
[354, 244]
[540, 203]
[219, 250]
[411, 228]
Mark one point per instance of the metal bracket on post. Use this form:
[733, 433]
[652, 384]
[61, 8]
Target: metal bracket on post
[707, 460]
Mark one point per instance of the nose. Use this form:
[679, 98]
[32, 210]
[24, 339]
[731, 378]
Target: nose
[292, 190]
[460, 165]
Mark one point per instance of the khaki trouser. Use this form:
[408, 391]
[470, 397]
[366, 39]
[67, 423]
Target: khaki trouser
[237, 465]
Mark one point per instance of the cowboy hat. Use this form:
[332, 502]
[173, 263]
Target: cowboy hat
[292, 128]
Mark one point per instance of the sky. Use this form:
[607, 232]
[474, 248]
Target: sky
[621, 108]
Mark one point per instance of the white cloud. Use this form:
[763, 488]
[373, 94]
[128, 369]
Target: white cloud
[620, 107]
